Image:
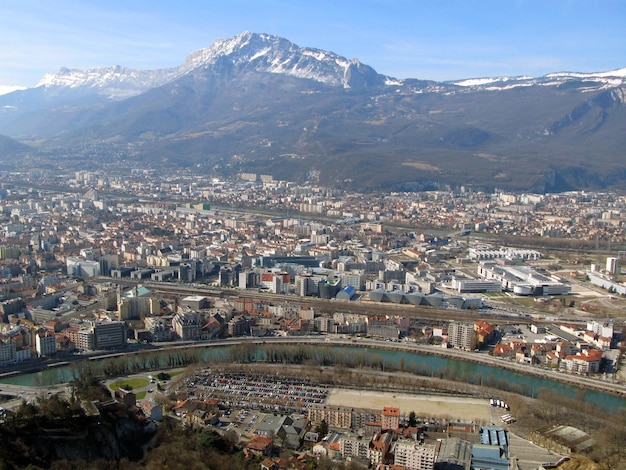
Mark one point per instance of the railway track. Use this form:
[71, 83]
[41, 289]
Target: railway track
[340, 306]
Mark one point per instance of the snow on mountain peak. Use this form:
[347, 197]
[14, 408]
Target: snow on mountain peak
[262, 52]
[116, 81]
[477, 81]
[618, 73]
[610, 79]
[6, 89]
[274, 54]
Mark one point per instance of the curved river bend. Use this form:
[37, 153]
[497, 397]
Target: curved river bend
[408, 361]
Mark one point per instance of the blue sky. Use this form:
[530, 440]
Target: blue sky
[436, 39]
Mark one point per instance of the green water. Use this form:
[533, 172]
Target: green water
[421, 364]
[480, 374]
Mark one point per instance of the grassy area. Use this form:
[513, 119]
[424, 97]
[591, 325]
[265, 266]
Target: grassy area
[132, 383]
[140, 395]
[525, 301]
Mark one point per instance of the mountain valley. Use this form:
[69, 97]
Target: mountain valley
[259, 103]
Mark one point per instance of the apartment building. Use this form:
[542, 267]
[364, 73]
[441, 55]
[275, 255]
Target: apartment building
[413, 455]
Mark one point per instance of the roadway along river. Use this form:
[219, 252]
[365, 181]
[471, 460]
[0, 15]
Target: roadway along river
[424, 360]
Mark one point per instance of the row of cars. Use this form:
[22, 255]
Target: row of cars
[257, 391]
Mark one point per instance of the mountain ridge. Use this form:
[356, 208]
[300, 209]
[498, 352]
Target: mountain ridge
[261, 44]
[257, 102]
[246, 47]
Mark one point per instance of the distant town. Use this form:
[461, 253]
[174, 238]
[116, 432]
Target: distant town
[98, 263]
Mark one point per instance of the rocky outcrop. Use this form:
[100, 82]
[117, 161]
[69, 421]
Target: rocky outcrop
[108, 436]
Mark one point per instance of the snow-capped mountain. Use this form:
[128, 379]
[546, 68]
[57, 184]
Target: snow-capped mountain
[260, 103]
[610, 75]
[261, 52]
[4, 89]
[588, 81]
[116, 82]
[274, 54]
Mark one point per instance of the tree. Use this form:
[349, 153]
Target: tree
[412, 419]
[474, 344]
[322, 429]
[231, 439]
[212, 439]
[325, 463]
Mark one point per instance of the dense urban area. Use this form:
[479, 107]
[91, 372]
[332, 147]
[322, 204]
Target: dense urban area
[96, 263]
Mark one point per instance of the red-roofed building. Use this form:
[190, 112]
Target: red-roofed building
[584, 362]
[260, 446]
[335, 446]
[522, 355]
[372, 427]
[276, 282]
[54, 325]
[563, 348]
[390, 418]
[504, 350]
[72, 334]
[590, 336]
[179, 407]
[64, 343]
[553, 358]
[127, 397]
[379, 448]
[484, 332]
[270, 464]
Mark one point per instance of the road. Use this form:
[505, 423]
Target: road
[483, 358]
[22, 393]
[34, 392]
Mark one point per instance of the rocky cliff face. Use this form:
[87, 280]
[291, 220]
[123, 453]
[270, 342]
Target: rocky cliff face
[41, 440]
[100, 440]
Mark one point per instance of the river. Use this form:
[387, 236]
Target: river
[408, 361]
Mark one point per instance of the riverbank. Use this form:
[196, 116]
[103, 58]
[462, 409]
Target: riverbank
[483, 358]
[613, 388]
[361, 348]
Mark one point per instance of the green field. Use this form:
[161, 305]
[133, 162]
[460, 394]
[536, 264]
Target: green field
[132, 383]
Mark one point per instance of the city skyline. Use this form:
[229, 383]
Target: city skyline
[403, 39]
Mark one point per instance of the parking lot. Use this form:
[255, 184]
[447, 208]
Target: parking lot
[263, 392]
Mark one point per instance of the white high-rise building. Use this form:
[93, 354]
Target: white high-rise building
[604, 329]
[612, 264]
[80, 267]
[45, 343]
[460, 335]
[415, 456]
